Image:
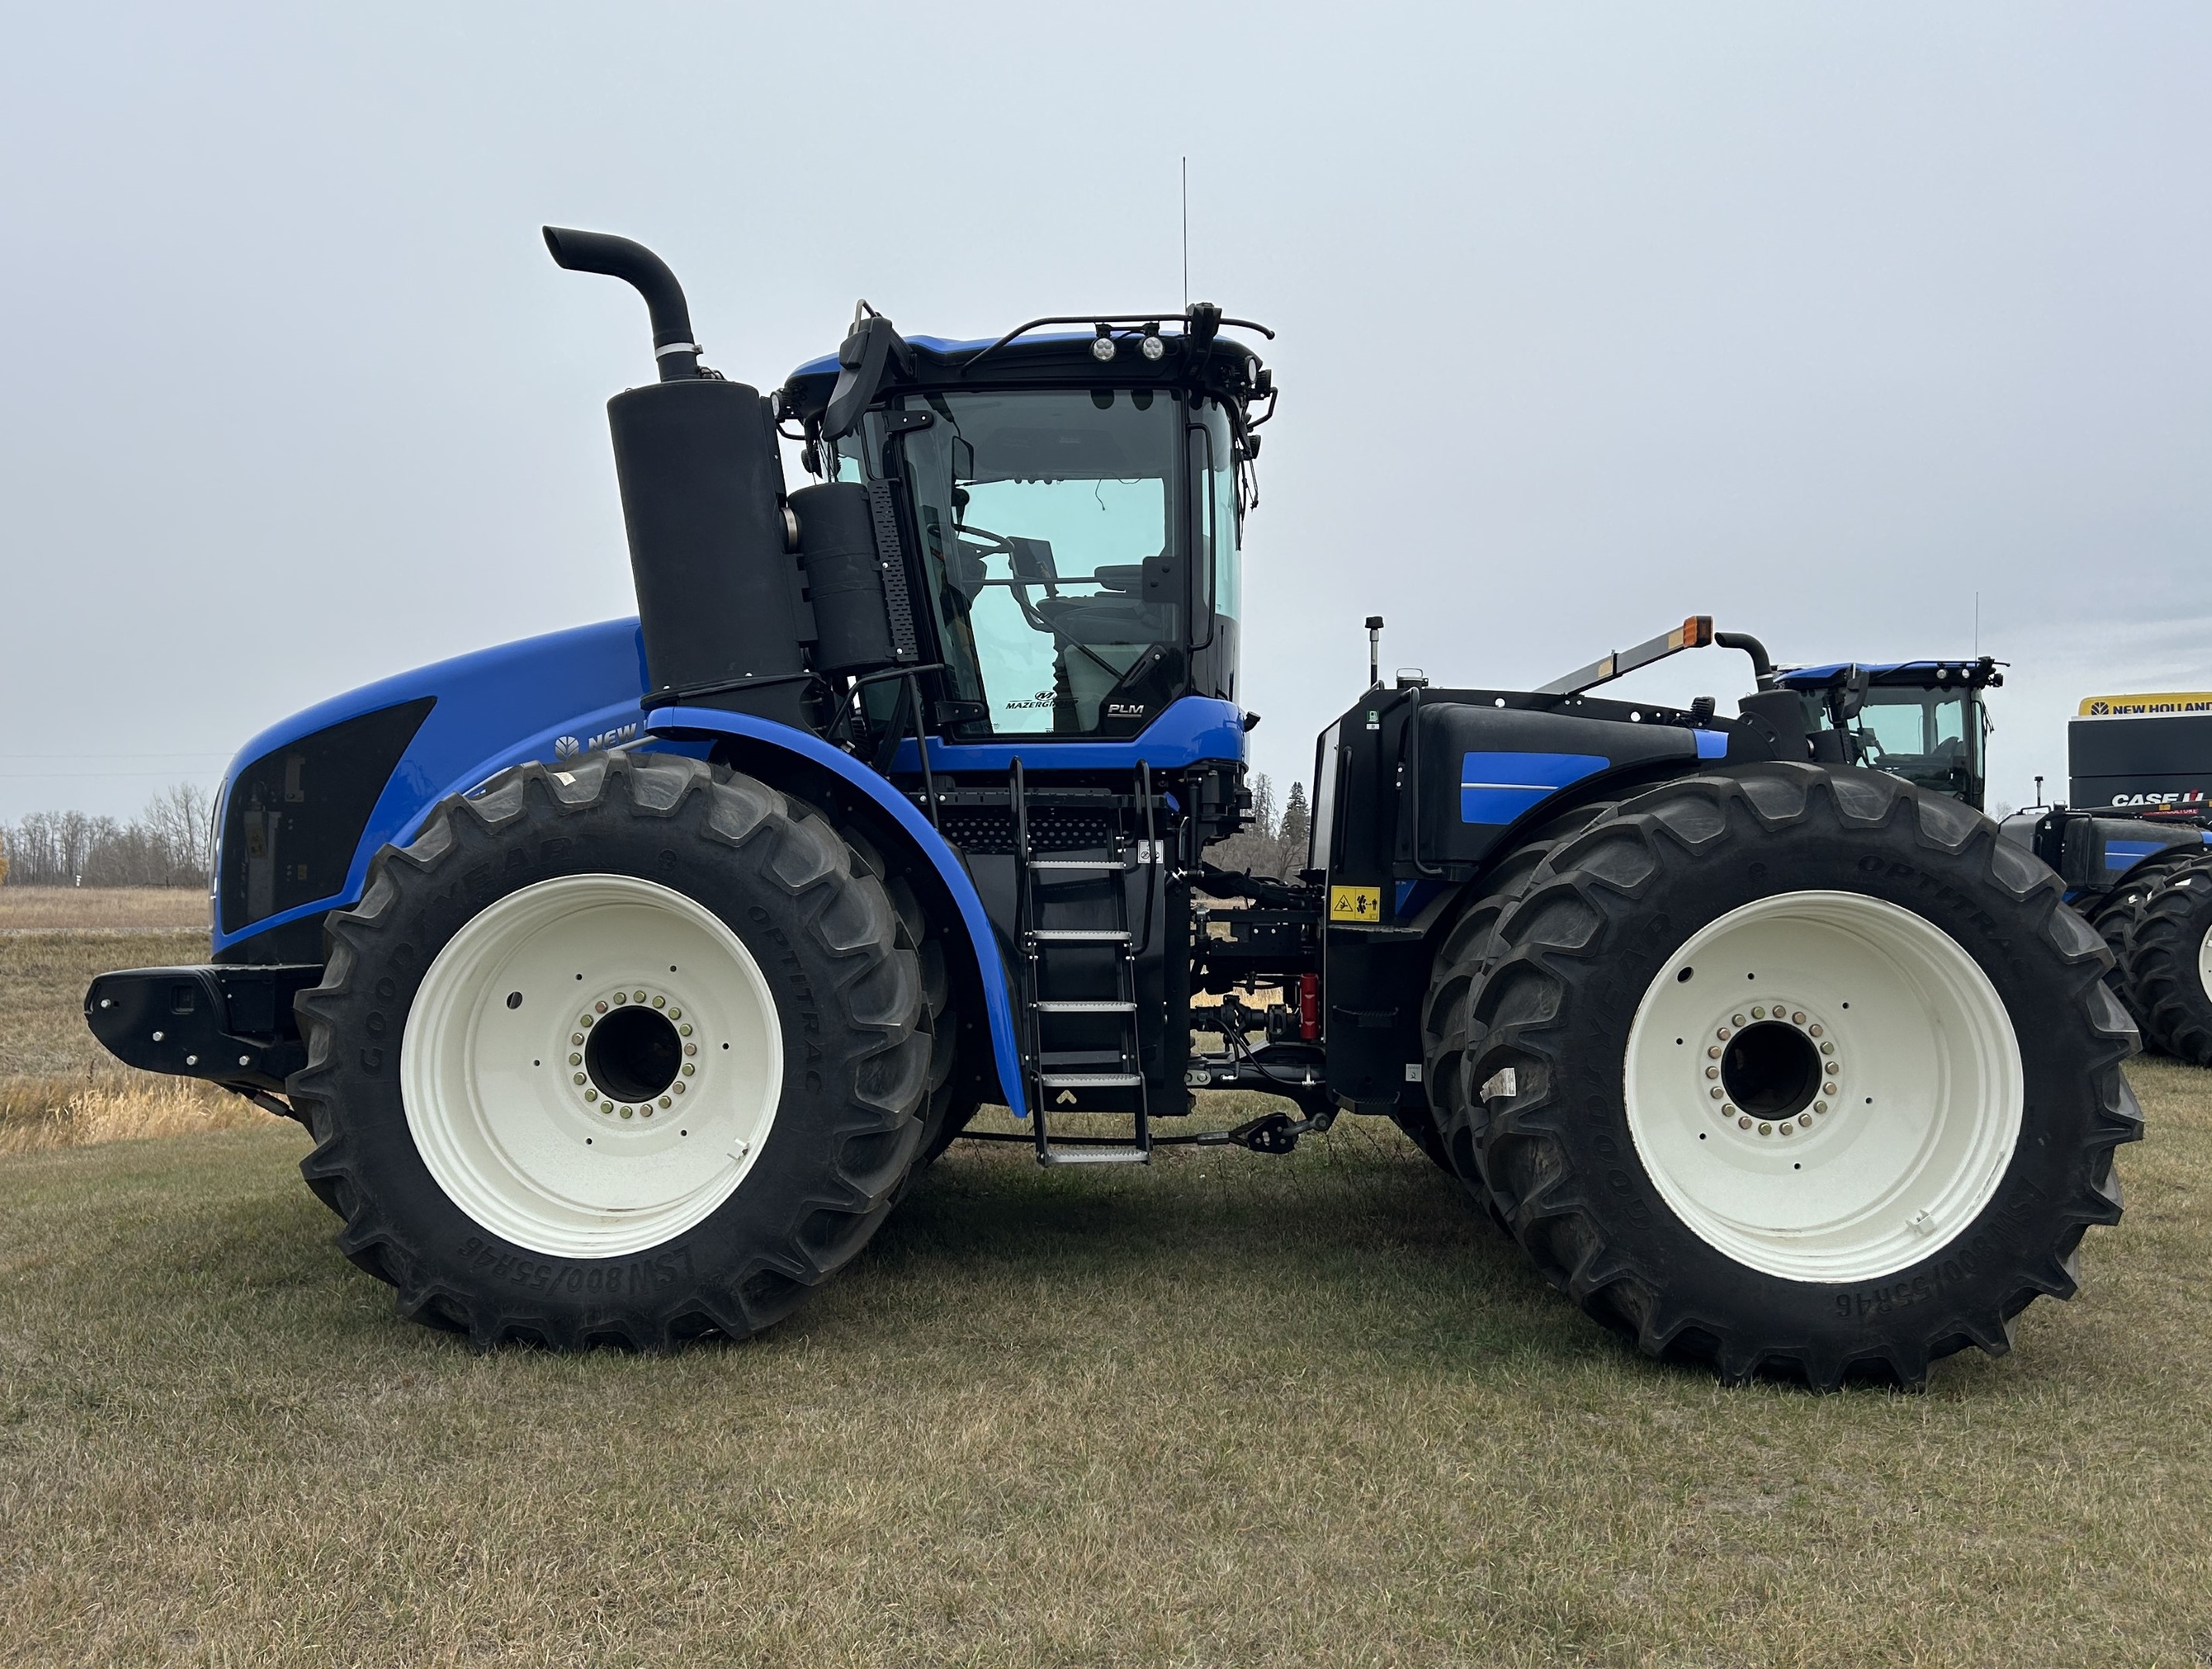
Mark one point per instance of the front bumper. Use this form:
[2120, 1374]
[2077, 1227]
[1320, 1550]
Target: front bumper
[230, 1025]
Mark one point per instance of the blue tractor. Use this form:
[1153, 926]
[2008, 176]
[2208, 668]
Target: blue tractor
[627, 977]
[2132, 847]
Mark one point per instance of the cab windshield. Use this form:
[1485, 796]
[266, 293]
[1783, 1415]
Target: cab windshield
[1048, 521]
[1931, 737]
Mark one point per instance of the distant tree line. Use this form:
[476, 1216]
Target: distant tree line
[1275, 844]
[167, 844]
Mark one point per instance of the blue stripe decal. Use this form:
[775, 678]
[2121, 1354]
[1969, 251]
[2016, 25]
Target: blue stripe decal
[1711, 744]
[1503, 788]
[2122, 854]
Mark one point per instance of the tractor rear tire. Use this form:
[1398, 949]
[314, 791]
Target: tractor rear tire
[2169, 963]
[1449, 1132]
[1803, 1072]
[623, 1053]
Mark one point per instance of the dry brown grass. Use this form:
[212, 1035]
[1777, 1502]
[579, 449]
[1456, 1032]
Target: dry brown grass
[58, 1088]
[42, 981]
[40, 1113]
[1231, 1410]
[105, 909]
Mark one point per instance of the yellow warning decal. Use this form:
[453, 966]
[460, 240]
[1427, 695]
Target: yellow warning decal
[2146, 706]
[1355, 903]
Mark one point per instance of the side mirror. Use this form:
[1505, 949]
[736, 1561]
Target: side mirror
[864, 361]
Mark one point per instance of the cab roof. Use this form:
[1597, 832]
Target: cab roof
[1220, 364]
[1896, 675]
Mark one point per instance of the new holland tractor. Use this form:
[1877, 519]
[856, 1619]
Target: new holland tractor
[2132, 847]
[626, 977]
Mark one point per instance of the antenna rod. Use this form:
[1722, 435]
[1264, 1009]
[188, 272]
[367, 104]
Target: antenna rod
[1186, 234]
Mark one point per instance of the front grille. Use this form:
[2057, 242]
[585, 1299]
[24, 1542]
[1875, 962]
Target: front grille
[293, 818]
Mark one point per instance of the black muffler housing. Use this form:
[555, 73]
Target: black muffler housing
[717, 585]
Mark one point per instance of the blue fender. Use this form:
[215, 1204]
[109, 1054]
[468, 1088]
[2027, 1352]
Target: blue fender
[688, 723]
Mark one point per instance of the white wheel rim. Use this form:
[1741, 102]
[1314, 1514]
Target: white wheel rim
[2204, 963]
[1909, 1125]
[529, 1142]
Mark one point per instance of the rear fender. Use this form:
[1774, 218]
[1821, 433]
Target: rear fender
[767, 746]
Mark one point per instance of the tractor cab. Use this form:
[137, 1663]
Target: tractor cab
[1071, 505]
[1921, 720]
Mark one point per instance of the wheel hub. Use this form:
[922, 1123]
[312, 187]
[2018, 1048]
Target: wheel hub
[633, 1052]
[1773, 1068]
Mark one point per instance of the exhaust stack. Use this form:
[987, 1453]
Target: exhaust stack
[703, 499]
[673, 348]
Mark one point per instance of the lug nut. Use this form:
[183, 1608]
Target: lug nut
[575, 1059]
[1743, 1124]
[1828, 1048]
[1821, 1107]
[1814, 1029]
[620, 999]
[592, 1095]
[579, 1077]
[1759, 1014]
[678, 1014]
[663, 1101]
[1827, 1090]
[678, 1087]
[1712, 1071]
[597, 1008]
[660, 1002]
[1712, 1052]
[1737, 1018]
[645, 1112]
[577, 1037]
[1723, 1034]
[1785, 1127]
[625, 1111]
[691, 1048]
[685, 1028]
[1766, 1130]
[639, 998]
[1796, 1019]
[1716, 1092]
[688, 1069]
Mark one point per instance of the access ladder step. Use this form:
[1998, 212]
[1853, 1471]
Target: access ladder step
[1057, 1005]
[1090, 1080]
[1096, 1156]
[1080, 935]
[1103, 865]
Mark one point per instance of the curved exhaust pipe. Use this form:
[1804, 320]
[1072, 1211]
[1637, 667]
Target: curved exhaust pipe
[673, 348]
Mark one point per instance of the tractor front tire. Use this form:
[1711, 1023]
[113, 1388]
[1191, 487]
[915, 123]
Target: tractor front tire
[624, 1053]
[2169, 963]
[1801, 1072]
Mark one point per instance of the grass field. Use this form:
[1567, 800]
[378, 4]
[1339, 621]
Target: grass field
[1234, 1411]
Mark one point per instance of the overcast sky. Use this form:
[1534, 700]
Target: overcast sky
[1819, 319]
